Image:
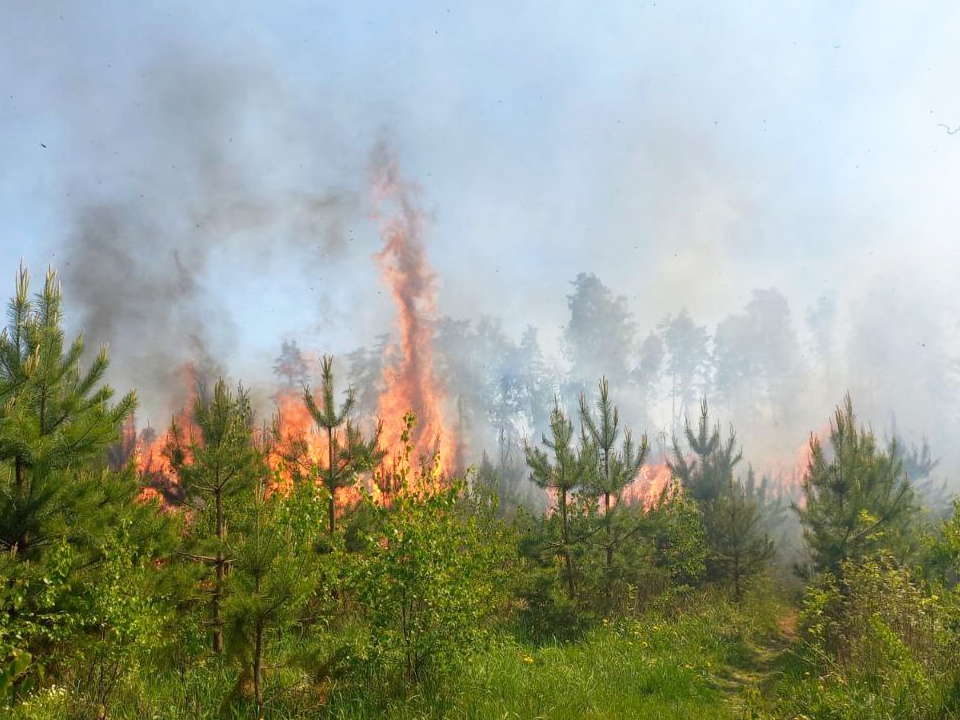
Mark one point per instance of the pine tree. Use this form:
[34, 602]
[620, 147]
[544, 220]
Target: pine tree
[217, 471]
[54, 418]
[274, 571]
[705, 476]
[615, 469]
[290, 365]
[76, 551]
[733, 533]
[856, 502]
[563, 470]
[348, 452]
[735, 540]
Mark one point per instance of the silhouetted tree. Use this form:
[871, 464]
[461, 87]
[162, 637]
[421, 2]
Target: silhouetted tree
[599, 337]
[365, 374]
[687, 361]
[649, 370]
[290, 365]
[755, 358]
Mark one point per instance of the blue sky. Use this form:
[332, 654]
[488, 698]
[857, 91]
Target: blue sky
[686, 152]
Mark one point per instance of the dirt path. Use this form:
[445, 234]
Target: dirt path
[752, 683]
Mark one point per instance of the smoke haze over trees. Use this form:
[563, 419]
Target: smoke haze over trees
[203, 189]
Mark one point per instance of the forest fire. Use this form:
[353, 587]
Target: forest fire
[149, 447]
[789, 473]
[410, 383]
[649, 487]
[294, 445]
[149, 452]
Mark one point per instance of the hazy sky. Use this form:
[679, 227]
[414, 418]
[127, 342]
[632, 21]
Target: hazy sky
[686, 152]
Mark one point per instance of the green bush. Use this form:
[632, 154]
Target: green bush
[876, 644]
[431, 577]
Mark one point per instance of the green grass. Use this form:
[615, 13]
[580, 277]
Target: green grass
[652, 667]
[695, 665]
[607, 675]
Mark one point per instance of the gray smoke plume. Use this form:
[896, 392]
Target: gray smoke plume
[198, 172]
[196, 200]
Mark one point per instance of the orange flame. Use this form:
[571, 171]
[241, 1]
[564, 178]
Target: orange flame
[788, 475]
[294, 443]
[299, 448]
[649, 486]
[409, 379]
[152, 464]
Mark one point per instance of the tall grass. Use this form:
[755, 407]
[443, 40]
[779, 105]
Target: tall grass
[658, 665]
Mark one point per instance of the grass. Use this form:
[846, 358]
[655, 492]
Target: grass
[700, 663]
[651, 667]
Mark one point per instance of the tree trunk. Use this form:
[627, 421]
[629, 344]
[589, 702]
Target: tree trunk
[609, 579]
[218, 588]
[333, 492]
[737, 593]
[333, 511]
[20, 479]
[566, 543]
[258, 668]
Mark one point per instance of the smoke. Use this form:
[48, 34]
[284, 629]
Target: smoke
[200, 180]
[193, 220]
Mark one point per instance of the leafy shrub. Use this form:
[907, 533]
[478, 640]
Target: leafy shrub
[875, 644]
[432, 576]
